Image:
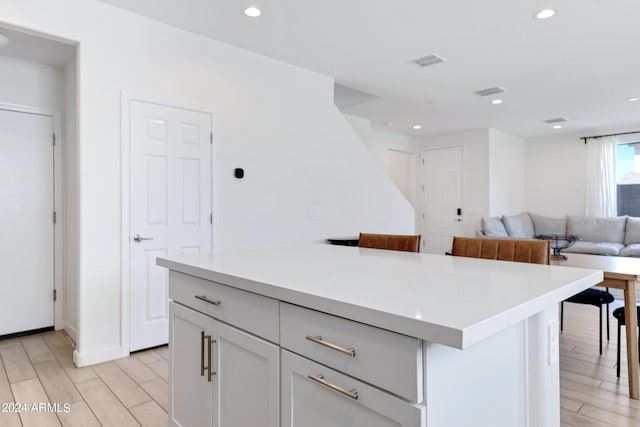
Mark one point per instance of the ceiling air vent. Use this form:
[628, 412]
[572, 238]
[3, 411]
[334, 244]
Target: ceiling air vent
[490, 91]
[556, 120]
[425, 61]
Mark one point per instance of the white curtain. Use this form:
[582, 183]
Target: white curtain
[601, 177]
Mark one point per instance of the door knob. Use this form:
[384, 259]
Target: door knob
[139, 238]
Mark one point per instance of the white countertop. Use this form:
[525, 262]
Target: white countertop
[453, 301]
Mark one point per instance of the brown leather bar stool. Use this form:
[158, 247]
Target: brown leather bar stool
[394, 242]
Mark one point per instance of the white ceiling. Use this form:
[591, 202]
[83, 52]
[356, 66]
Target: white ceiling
[581, 64]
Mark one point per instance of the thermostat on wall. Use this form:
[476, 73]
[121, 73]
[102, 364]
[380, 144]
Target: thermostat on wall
[238, 173]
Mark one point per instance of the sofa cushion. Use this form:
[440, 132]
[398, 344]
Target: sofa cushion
[597, 229]
[519, 225]
[631, 250]
[632, 230]
[493, 227]
[548, 226]
[596, 248]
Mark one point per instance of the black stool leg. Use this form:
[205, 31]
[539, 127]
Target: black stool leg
[607, 321]
[600, 329]
[618, 353]
[561, 315]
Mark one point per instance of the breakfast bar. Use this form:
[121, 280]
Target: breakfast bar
[323, 335]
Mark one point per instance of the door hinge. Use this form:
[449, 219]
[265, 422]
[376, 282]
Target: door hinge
[423, 215]
[55, 294]
[211, 218]
[54, 139]
[55, 217]
[211, 138]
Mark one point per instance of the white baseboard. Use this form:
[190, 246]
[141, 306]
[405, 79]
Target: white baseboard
[95, 357]
[71, 331]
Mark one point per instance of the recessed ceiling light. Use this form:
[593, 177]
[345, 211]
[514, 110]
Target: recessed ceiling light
[497, 101]
[4, 40]
[416, 127]
[635, 98]
[252, 12]
[545, 14]
[557, 126]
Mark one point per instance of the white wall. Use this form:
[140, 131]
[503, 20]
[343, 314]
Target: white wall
[379, 144]
[475, 166]
[556, 171]
[556, 175]
[506, 173]
[31, 84]
[71, 202]
[275, 120]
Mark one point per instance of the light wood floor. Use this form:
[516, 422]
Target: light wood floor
[134, 391]
[39, 369]
[590, 393]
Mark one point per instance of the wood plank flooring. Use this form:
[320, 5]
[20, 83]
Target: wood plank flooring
[39, 370]
[590, 393]
[133, 391]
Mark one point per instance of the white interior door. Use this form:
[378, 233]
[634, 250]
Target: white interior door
[26, 222]
[442, 198]
[170, 207]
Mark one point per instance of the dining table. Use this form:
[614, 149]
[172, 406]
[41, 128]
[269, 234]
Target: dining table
[620, 273]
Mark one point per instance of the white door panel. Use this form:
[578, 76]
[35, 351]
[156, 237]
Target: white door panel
[26, 222]
[170, 206]
[442, 198]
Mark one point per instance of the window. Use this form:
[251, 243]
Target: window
[628, 179]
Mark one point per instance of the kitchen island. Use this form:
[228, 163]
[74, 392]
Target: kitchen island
[343, 336]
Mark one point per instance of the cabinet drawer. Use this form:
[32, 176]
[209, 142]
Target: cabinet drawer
[245, 310]
[388, 360]
[316, 396]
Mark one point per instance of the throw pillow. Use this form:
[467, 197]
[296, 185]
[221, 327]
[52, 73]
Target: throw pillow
[632, 232]
[519, 225]
[597, 229]
[493, 227]
[548, 226]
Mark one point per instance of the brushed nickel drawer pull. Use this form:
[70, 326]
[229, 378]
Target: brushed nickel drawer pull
[320, 379]
[318, 340]
[206, 299]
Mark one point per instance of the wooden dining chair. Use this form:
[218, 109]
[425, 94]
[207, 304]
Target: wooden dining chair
[394, 242]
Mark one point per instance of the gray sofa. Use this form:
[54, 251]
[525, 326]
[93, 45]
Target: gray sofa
[618, 236]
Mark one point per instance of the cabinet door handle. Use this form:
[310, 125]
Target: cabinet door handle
[206, 299]
[318, 340]
[211, 371]
[202, 367]
[320, 379]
